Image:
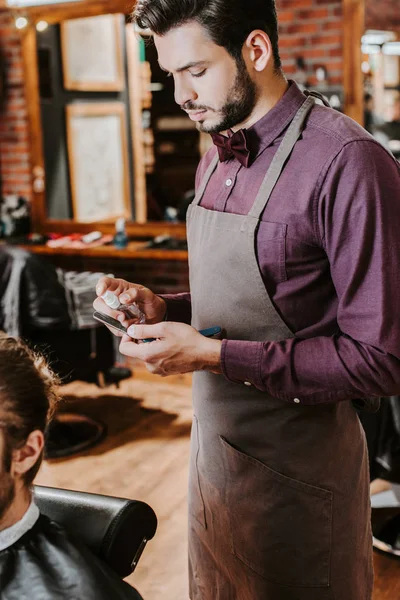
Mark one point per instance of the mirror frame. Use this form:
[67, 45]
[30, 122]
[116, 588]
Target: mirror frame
[353, 28]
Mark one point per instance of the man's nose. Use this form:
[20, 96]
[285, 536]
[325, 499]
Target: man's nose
[184, 93]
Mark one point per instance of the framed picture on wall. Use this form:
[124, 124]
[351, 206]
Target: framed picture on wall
[98, 161]
[92, 53]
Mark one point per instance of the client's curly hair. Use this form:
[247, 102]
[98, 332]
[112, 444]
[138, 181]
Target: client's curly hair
[28, 397]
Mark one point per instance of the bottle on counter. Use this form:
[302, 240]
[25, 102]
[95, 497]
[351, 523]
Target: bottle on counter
[120, 238]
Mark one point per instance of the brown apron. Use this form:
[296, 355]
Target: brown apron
[278, 492]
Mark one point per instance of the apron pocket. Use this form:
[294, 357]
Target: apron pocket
[280, 527]
[195, 499]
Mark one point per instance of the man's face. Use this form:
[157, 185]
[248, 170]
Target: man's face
[210, 86]
[7, 482]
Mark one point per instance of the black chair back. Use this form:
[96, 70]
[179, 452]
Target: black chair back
[115, 529]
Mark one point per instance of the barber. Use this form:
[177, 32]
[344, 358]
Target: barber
[294, 251]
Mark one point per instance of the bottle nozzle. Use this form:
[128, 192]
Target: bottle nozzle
[111, 300]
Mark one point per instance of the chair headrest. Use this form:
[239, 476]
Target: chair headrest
[115, 529]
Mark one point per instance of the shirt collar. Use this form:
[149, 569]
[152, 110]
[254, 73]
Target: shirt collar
[12, 534]
[270, 126]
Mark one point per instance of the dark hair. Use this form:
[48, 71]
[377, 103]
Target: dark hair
[227, 22]
[27, 397]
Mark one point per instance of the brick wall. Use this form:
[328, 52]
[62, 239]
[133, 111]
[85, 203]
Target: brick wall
[312, 29]
[309, 28]
[384, 14]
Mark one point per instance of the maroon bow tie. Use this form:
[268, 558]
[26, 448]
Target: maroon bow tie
[233, 146]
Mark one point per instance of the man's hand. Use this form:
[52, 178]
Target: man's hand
[153, 307]
[178, 349]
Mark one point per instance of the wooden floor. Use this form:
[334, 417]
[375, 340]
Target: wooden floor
[145, 457]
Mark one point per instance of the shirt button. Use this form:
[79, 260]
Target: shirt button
[297, 400]
[247, 383]
[228, 182]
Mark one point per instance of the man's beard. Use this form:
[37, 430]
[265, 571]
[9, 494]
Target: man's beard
[242, 100]
[7, 492]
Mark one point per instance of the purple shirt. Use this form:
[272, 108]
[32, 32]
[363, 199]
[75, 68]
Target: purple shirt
[337, 283]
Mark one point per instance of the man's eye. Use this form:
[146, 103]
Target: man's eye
[199, 74]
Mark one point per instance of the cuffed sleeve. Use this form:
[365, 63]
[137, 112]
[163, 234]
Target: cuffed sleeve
[296, 370]
[241, 361]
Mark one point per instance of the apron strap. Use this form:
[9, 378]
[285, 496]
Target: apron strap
[317, 95]
[281, 156]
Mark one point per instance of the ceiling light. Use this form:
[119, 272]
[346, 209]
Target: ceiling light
[21, 22]
[42, 26]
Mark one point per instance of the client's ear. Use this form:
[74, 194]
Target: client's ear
[25, 458]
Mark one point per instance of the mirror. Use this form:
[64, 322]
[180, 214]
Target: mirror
[84, 105]
[381, 73]
[115, 144]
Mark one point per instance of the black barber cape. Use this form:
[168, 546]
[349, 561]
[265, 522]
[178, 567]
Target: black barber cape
[46, 564]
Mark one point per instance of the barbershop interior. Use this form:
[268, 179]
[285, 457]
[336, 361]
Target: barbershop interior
[98, 166]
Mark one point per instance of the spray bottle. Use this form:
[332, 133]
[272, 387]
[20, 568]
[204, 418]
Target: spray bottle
[132, 311]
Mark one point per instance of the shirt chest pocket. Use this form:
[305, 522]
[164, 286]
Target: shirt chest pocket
[271, 251]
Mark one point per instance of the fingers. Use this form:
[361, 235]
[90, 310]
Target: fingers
[102, 307]
[127, 322]
[136, 293]
[126, 339]
[129, 347]
[106, 283]
[142, 332]
[126, 292]
[117, 286]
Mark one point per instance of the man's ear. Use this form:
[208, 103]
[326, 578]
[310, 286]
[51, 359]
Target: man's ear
[25, 457]
[259, 49]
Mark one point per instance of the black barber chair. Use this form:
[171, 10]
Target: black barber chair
[116, 530]
[383, 437]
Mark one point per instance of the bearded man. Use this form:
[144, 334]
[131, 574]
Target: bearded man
[294, 251]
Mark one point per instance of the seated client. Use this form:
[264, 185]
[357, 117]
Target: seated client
[38, 558]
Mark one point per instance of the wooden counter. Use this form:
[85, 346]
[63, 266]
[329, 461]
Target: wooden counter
[134, 250]
[163, 271]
